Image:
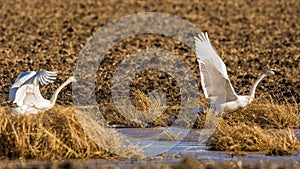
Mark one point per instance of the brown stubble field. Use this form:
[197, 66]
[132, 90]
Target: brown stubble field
[250, 36]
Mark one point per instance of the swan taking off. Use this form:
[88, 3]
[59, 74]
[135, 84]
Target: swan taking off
[215, 83]
[25, 91]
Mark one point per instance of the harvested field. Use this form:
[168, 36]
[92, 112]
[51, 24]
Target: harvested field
[249, 36]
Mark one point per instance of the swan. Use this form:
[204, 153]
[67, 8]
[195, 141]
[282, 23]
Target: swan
[26, 94]
[218, 91]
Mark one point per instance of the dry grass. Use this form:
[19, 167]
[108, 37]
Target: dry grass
[143, 110]
[55, 134]
[261, 126]
[141, 101]
[243, 137]
[150, 110]
[60, 133]
[268, 114]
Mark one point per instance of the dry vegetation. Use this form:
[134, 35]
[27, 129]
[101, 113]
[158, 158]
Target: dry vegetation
[55, 134]
[261, 126]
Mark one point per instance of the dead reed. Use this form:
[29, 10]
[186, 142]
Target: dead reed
[261, 126]
[58, 134]
[55, 134]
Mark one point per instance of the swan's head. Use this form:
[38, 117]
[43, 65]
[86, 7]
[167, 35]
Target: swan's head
[72, 79]
[269, 72]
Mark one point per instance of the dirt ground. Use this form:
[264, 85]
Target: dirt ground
[250, 36]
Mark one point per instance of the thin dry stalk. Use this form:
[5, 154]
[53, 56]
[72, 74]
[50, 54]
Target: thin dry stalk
[261, 126]
[146, 109]
[56, 134]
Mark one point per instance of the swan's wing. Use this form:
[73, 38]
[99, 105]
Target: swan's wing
[20, 95]
[30, 95]
[214, 79]
[25, 90]
[21, 79]
[34, 96]
[42, 77]
[45, 77]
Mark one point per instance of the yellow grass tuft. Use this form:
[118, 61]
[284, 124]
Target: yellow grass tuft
[144, 109]
[242, 137]
[55, 134]
[267, 114]
[140, 100]
[261, 126]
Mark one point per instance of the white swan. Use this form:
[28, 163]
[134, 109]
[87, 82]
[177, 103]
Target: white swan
[25, 91]
[215, 83]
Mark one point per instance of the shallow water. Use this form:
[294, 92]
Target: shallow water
[191, 146]
[188, 142]
[168, 152]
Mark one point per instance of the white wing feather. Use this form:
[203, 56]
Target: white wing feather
[20, 95]
[21, 79]
[42, 77]
[214, 79]
[25, 90]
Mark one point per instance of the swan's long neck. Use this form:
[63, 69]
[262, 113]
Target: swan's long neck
[253, 88]
[55, 94]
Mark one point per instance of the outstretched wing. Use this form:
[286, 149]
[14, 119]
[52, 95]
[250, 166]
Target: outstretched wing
[214, 79]
[21, 79]
[42, 77]
[26, 87]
